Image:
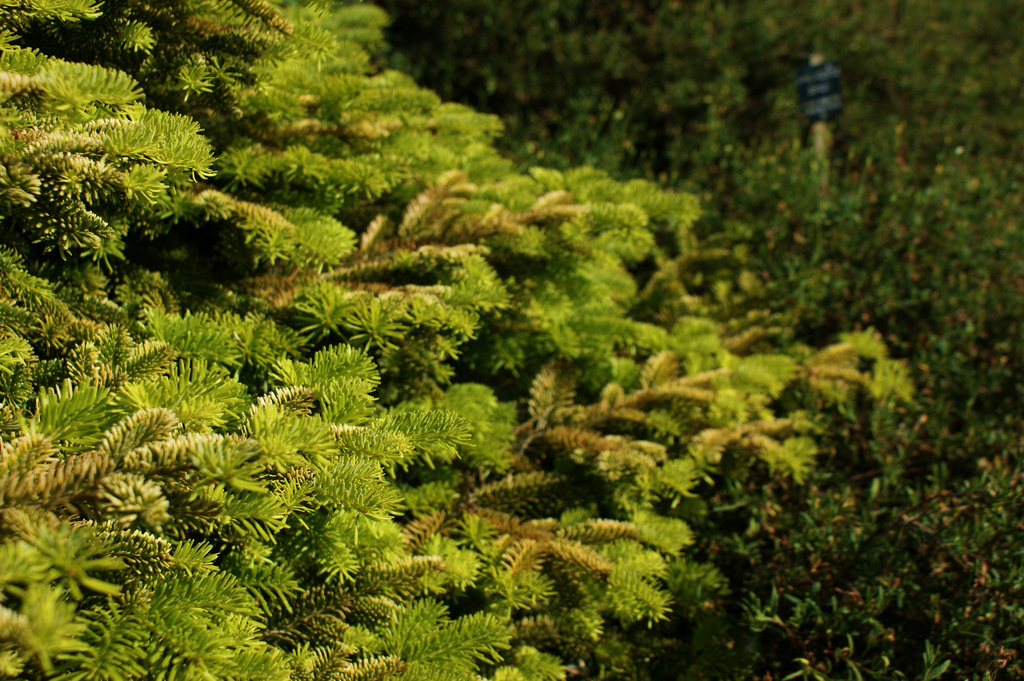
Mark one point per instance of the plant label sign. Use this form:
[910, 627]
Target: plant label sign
[818, 88]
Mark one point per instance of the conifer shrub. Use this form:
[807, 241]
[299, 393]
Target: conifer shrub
[299, 379]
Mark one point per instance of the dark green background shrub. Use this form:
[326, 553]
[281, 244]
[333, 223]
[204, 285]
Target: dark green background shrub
[664, 86]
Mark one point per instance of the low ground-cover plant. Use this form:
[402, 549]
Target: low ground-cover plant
[877, 560]
[930, 258]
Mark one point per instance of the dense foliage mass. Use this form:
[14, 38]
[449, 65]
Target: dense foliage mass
[902, 553]
[299, 379]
